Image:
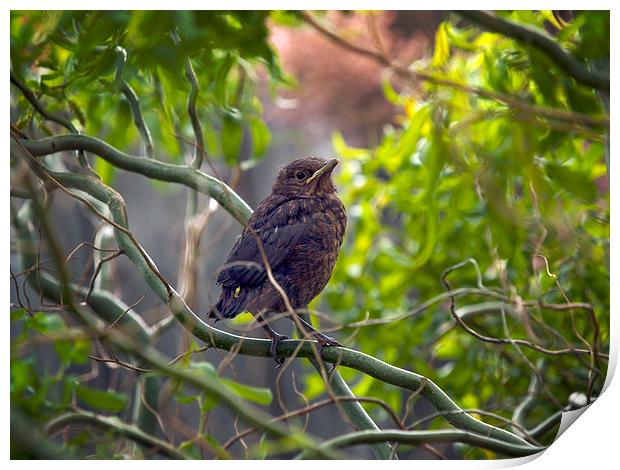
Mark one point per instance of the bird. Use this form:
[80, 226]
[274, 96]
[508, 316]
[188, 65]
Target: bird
[300, 227]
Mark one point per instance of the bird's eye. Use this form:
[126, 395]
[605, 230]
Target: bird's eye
[300, 175]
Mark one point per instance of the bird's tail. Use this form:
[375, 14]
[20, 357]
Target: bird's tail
[230, 304]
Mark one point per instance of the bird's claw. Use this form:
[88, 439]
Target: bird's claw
[273, 349]
[323, 341]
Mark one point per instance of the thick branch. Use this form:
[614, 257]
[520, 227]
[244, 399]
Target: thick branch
[426, 437]
[544, 427]
[362, 420]
[519, 413]
[150, 168]
[354, 409]
[540, 40]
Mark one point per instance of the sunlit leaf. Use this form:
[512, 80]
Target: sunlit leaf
[102, 400]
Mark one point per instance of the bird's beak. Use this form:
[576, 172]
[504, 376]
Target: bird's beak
[324, 170]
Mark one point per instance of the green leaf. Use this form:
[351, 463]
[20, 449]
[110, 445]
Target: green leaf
[80, 351]
[231, 138]
[77, 111]
[575, 182]
[221, 80]
[442, 47]
[44, 323]
[102, 400]
[470, 401]
[18, 314]
[258, 395]
[261, 137]
[288, 18]
[104, 169]
[202, 368]
[217, 448]
[342, 149]
[461, 38]
[190, 448]
[390, 93]
[448, 347]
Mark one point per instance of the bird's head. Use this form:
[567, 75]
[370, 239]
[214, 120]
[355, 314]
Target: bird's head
[308, 176]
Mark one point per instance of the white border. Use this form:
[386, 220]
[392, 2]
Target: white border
[585, 445]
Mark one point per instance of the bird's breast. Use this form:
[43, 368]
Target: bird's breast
[314, 257]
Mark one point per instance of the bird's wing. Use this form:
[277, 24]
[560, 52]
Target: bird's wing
[244, 266]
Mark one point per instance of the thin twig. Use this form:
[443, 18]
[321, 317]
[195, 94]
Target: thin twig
[315, 406]
[91, 285]
[489, 339]
[30, 96]
[131, 307]
[123, 364]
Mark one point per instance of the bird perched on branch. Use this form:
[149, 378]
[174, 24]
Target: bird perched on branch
[298, 229]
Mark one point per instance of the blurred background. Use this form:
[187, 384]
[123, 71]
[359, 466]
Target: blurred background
[433, 172]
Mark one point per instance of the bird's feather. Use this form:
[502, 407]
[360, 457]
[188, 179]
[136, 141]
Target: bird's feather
[246, 267]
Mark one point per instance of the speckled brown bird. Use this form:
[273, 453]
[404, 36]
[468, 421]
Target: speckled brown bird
[300, 225]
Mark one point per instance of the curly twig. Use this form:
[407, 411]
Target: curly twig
[492, 340]
[134, 101]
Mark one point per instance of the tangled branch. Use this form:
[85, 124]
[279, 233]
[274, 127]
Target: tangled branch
[258, 347]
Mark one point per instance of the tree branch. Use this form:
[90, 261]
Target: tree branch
[182, 174]
[259, 347]
[134, 102]
[67, 124]
[425, 437]
[199, 151]
[60, 291]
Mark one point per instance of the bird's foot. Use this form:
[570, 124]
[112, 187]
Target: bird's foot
[325, 340]
[273, 350]
[322, 342]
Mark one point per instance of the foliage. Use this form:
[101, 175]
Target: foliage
[76, 60]
[463, 177]
[458, 175]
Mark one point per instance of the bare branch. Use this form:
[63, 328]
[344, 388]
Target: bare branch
[125, 365]
[420, 437]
